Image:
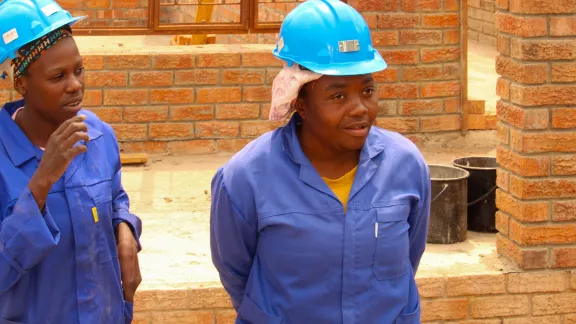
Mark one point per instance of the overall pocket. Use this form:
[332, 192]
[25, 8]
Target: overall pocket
[392, 253]
[250, 313]
[102, 211]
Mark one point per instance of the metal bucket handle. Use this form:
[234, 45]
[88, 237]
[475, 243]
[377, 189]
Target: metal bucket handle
[483, 197]
[441, 192]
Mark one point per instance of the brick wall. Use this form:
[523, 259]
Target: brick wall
[104, 13]
[481, 21]
[537, 113]
[515, 298]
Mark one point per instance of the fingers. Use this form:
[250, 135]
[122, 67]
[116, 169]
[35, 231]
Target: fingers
[74, 138]
[77, 150]
[72, 129]
[64, 126]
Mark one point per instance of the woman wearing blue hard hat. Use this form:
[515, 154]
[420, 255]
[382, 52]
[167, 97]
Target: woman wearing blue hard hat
[68, 242]
[323, 220]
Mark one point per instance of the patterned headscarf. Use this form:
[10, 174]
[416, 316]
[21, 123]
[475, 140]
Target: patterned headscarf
[286, 87]
[32, 51]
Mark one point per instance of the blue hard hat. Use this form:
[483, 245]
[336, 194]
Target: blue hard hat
[328, 37]
[23, 21]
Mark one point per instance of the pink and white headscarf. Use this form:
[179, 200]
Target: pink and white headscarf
[286, 87]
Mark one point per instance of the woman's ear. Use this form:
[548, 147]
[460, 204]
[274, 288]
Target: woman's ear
[20, 86]
[298, 105]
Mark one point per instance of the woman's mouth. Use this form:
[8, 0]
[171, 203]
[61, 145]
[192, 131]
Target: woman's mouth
[358, 129]
[74, 105]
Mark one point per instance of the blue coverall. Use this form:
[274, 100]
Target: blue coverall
[60, 265]
[286, 251]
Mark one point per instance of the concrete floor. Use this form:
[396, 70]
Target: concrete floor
[171, 195]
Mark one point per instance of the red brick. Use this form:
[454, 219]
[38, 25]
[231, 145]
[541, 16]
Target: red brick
[172, 61]
[476, 107]
[553, 303]
[563, 72]
[231, 146]
[452, 105]
[145, 114]
[387, 107]
[535, 235]
[521, 26]
[421, 5]
[542, 50]
[499, 306]
[183, 317]
[217, 129]
[441, 21]
[441, 123]
[192, 147]
[503, 88]
[563, 26]
[503, 44]
[218, 60]
[171, 96]
[92, 98]
[393, 57]
[476, 122]
[130, 132]
[238, 111]
[105, 79]
[421, 37]
[564, 165]
[151, 79]
[502, 179]
[145, 147]
[71, 4]
[271, 75]
[108, 114]
[398, 90]
[503, 133]
[136, 13]
[257, 94]
[476, 285]
[376, 5]
[440, 89]
[542, 6]
[257, 128]
[537, 282]
[543, 142]
[195, 77]
[444, 309]
[564, 212]
[131, 62]
[564, 117]
[225, 316]
[440, 55]
[422, 107]
[522, 73]
[451, 71]
[398, 20]
[565, 258]
[400, 125]
[110, 14]
[543, 189]
[526, 259]
[243, 77]
[263, 59]
[125, 4]
[210, 95]
[125, 97]
[388, 75]
[543, 95]
[451, 37]
[171, 131]
[371, 20]
[199, 112]
[421, 73]
[384, 38]
[528, 166]
[503, 4]
[523, 118]
[431, 287]
[451, 5]
[502, 222]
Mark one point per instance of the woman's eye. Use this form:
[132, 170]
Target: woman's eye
[369, 91]
[339, 97]
[80, 70]
[59, 76]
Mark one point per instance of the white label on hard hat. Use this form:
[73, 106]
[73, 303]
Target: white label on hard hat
[50, 9]
[10, 36]
[281, 44]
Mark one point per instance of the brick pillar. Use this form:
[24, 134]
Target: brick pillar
[537, 127]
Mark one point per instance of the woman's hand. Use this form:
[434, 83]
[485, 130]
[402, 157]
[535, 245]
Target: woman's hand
[59, 152]
[129, 266]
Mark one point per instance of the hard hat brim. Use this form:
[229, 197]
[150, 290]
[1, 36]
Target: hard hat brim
[374, 65]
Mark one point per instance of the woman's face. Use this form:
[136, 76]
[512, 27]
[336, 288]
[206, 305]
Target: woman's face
[54, 84]
[339, 110]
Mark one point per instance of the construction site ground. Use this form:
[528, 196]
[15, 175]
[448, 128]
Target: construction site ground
[172, 196]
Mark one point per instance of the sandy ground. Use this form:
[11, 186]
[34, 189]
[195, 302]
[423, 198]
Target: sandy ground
[171, 196]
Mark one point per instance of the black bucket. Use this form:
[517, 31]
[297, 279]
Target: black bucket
[448, 212]
[481, 192]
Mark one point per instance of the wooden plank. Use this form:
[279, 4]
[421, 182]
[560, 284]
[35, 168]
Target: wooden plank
[464, 62]
[203, 15]
[136, 158]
